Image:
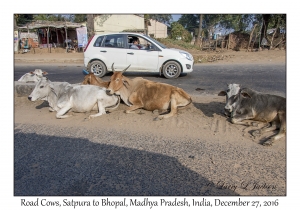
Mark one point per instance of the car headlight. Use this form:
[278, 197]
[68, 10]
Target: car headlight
[187, 55]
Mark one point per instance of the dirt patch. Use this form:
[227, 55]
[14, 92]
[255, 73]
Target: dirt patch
[238, 57]
[213, 56]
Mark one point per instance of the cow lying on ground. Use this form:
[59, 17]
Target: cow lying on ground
[33, 76]
[80, 98]
[91, 79]
[252, 105]
[141, 93]
[231, 91]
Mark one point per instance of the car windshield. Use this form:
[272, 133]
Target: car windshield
[157, 42]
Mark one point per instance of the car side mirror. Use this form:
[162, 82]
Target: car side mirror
[151, 48]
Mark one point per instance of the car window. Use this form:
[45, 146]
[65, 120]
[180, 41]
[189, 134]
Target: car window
[116, 41]
[142, 44]
[157, 42]
[98, 41]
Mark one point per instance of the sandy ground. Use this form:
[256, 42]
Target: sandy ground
[219, 56]
[200, 137]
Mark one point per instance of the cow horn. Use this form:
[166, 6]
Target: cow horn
[112, 67]
[126, 68]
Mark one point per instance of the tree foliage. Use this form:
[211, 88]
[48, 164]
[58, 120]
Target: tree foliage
[51, 17]
[238, 22]
[177, 30]
[79, 18]
[22, 19]
[163, 18]
[277, 22]
[189, 21]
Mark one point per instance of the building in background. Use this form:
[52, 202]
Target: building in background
[128, 23]
[157, 29]
[118, 23]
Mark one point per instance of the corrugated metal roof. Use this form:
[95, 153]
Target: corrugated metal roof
[54, 24]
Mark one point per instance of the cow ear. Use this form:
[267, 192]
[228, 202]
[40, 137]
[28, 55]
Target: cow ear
[31, 72]
[245, 94]
[45, 73]
[125, 82]
[222, 93]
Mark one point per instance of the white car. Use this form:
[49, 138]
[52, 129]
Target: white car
[150, 56]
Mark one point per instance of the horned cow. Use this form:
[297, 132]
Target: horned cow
[252, 105]
[80, 98]
[141, 93]
[33, 76]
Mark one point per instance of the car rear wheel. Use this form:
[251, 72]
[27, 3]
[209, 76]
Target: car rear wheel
[171, 70]
[98, 68]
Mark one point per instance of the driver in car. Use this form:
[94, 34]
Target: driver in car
[135, 45]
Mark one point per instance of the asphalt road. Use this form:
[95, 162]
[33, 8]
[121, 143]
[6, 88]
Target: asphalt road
[210, 78]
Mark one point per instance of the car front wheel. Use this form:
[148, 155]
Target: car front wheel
[171, 70]
[98, 68]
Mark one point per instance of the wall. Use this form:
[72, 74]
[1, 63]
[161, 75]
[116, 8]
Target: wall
[159, 30]
[117, 23]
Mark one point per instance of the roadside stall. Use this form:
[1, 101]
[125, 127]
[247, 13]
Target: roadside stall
[49, 34]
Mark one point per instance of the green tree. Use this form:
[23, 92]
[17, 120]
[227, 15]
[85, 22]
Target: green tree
[238, 22]
[276, 21]
[21, 19]
[189, 21]
[177, 30]
[79, 18]
[50, 17]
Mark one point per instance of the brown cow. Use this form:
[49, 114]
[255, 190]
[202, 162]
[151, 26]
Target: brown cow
[91, 79]
[141, 93]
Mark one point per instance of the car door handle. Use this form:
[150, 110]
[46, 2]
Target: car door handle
[131, 53]
[103, 51]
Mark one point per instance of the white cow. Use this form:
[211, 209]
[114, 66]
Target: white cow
[80, 98]
[33, 76]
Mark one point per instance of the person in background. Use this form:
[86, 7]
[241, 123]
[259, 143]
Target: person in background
[68, 41]
[21, 43]
[75, 44]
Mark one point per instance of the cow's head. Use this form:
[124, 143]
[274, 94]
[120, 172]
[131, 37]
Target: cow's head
[39, 73]
[230, 93]
[237, 100]
[117, 81]
[41, 90]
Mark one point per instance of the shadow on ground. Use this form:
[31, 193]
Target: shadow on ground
[53, 166]
[211, 108]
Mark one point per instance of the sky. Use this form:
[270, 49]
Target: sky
[176, 17]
